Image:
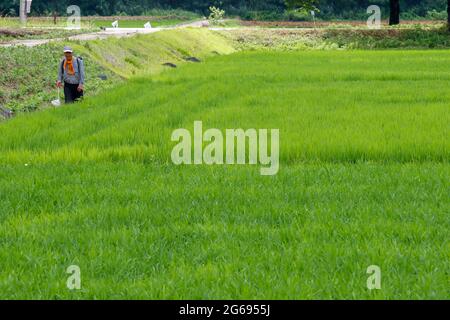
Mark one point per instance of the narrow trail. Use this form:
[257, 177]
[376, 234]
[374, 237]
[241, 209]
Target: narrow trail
[104, 34]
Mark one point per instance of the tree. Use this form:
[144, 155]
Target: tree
[23, 12]
[448, 14]
[56, 8]
[330, 9]
[306, 5]
[395, 12]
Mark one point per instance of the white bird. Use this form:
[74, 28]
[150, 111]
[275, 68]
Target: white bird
[148, 25]
[115, 24]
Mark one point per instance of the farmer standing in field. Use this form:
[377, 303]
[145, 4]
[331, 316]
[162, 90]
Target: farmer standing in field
[71, 74]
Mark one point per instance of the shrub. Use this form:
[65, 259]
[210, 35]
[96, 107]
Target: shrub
[295, 15]
[216, 15]
[263, 15]
[437, 15]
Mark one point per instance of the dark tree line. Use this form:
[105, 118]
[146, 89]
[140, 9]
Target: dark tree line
[394, 12]
[347, 9]
[448, 12]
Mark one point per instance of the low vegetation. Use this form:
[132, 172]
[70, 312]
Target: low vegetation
[8, 35]
[364, 180]
[28, 75]
[49, 27]
[124, 23]
[415, 37]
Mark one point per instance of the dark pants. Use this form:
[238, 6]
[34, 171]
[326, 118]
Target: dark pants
[71, 93]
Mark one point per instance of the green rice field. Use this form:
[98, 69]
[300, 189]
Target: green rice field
[363, 180]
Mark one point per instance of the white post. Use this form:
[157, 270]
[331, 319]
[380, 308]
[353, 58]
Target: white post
[313, 13]
[23, 13]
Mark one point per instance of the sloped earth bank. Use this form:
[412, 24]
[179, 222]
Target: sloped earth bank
[28, 75]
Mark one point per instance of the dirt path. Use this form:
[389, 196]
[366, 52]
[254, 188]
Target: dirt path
[107, 33]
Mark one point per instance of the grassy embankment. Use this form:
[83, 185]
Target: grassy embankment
[27, 75]
[364, 180]
[157, 17]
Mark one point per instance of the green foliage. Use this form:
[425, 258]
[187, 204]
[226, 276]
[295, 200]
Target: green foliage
[216, 15]
[146, 54]
[178, 14]
[387, 77]
[302, 5]
[28, 75]
[340, 38]
[262, 15]
[136, 23]
[41, 27]
[412, 38]
[437, 15]
[330, 9]
[297, 15]
[364, 180]
[12, 33]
